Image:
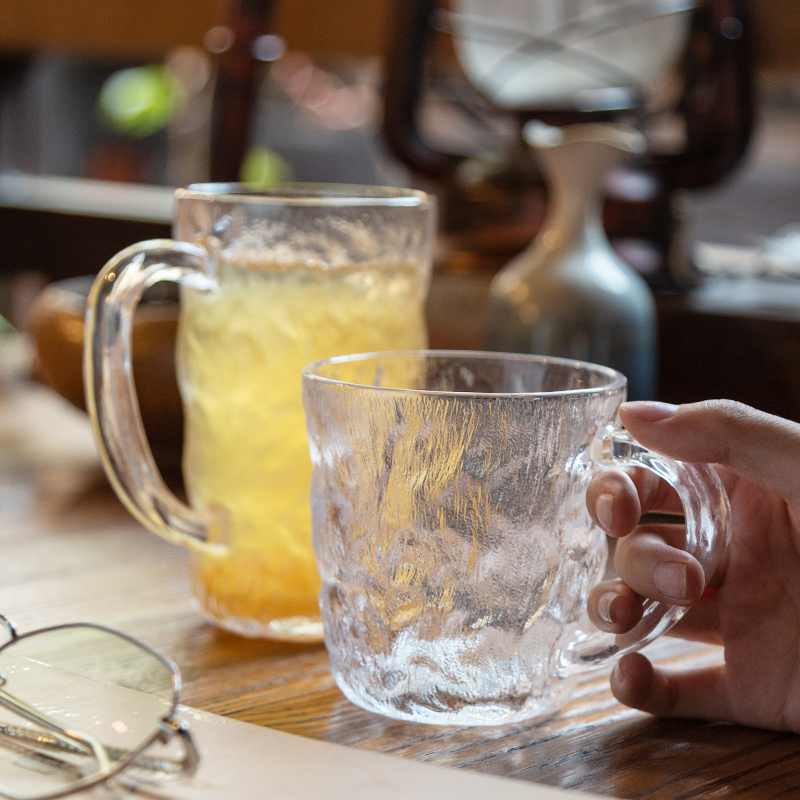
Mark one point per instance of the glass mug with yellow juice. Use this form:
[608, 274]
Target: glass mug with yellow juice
[269, 282]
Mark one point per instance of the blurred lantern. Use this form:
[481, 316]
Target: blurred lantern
[140, 101]
[264, 168]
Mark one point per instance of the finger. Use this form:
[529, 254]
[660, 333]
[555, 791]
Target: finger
[614, 607]
[695, 694]
[759, 447]
[616, 499]
[701, 623]
[652, 563]
[613, 502]
[655, 494]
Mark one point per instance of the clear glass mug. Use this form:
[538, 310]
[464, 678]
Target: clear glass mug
[451, 531]
[269, 281]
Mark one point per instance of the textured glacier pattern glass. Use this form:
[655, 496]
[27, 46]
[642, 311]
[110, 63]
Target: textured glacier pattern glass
[451, 530]
[270, 280]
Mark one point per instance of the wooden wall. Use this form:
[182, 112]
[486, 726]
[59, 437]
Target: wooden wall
[777, 24]
[105, 27]
[145, 28]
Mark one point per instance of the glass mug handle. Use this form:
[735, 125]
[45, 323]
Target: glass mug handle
[111, 396]
[707, 513]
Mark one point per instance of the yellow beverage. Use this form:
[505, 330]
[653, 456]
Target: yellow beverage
[241, 348]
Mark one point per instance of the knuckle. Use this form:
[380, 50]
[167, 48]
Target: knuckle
[652, 490]
[724, 410]
[612, 480]
[723, 422]
[733, 426]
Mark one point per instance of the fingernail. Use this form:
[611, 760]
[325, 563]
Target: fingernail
[649, 410]
[604, 606]
[669, 578]
[604, 509]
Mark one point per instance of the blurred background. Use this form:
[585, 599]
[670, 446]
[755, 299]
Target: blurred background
[122, 91]
[106, 105]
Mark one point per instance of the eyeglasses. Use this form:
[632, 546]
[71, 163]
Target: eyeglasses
[82, 704]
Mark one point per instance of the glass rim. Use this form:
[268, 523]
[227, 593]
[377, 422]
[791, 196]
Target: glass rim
[615, 380]
[330, 195]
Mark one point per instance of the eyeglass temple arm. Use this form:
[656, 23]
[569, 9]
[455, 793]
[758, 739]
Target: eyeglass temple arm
[171, 726]
[33, 743]
[88, 744]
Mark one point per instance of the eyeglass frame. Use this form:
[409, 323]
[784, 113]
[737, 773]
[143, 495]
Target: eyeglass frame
[168, 726]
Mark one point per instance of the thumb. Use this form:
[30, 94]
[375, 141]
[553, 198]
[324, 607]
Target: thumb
[762, 448]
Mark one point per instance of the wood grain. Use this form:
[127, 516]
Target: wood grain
[71, 552]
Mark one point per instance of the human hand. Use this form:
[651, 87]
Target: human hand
[751, 606]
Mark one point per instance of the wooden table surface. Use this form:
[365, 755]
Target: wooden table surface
[71, 552]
